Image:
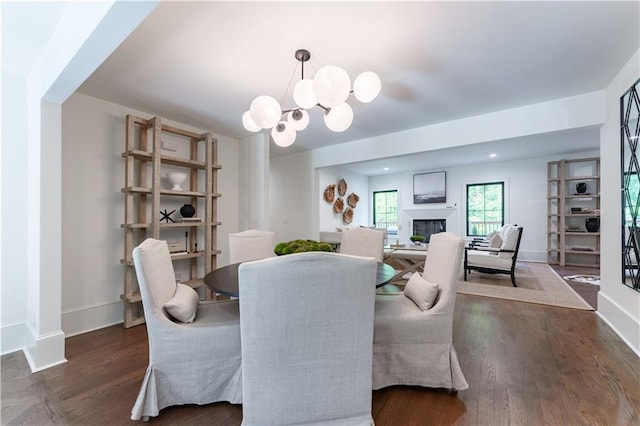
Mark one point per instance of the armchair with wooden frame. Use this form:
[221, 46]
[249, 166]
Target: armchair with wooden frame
[495, 260]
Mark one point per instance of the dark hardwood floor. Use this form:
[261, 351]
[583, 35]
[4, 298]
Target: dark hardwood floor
[526, 364]
[588, 292]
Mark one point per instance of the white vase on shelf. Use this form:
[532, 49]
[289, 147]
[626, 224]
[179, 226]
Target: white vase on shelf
[176, 179]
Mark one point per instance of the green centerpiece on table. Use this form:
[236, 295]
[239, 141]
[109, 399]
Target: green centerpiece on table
[417, 239]
[300, 246]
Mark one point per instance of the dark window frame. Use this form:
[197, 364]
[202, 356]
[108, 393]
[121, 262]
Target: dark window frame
[386, 191]
[483, 184]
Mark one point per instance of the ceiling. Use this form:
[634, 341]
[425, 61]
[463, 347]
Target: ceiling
[202, 63]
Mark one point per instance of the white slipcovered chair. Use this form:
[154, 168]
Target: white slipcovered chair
[367, 242]
[413, 346]
[307, 339]
[252, 244]
[189, 363]
[499, 256]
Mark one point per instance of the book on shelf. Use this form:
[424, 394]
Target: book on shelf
[175, 246]
[178, 253]
[578, 248]
[191, 219]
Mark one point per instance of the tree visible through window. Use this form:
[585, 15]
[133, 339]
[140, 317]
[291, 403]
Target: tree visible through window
[485, 208]
[631, 197]
[385, 211]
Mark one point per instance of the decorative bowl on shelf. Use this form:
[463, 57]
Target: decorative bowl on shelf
[176, 179]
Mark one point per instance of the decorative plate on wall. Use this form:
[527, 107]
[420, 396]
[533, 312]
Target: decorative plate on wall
[338, 206]
[347, 216]
[353, 199]
[330, 193]
[342, 187]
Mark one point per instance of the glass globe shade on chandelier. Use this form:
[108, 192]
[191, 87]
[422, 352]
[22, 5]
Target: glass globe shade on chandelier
[329, 90]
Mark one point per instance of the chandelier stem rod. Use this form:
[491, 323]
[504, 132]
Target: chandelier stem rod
[284, 111]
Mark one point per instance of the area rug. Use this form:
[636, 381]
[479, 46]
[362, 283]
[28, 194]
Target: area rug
[537, 283]
[589, 279]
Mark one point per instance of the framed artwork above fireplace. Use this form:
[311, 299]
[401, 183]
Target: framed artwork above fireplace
[430, 188]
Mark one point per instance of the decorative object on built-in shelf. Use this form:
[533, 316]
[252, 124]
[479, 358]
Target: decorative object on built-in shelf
[330, 193]
[342, 187]
[352, 200]
[573, 228]
[592, 224]
[417, 239]
[576, 210]
[176, 179]
[187, 211]
[176, 247]
[191, 220]
[347, 216]
[338, 206]
[581, 187]
[581, 248]
[167, 216]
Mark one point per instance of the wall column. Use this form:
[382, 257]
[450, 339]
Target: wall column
[254, 181]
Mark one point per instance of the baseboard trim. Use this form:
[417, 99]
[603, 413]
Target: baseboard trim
[623, 324]
[532, 256]
[43, 351]
[13, 337]
[91, 317]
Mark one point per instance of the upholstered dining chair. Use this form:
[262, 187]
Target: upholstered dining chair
[252, 244]
[194, 347]
[307, 339]
[413, 332]
[368, 242]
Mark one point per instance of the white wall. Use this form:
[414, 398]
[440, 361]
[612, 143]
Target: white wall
[77, 40]
[14, 202]
[525, 198]
[93, 209]
[254, 181]
[617, 304]
[356, 183]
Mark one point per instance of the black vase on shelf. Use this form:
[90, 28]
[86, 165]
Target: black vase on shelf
[581, 188]
[187, 210]
[592, 224]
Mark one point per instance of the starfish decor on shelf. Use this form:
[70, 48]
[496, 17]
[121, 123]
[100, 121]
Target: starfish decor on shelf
[167, 216]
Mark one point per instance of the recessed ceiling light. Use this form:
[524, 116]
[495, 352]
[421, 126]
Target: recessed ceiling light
[493, 155]
[385, 169]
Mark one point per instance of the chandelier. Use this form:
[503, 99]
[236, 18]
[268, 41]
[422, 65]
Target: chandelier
[328, 90]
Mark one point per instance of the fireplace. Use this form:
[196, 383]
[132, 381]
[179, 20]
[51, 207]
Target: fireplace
[427, 227]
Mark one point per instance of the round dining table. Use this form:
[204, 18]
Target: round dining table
[224, 280]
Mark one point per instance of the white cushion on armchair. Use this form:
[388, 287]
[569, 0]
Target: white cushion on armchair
[509, 241]
[488, 259]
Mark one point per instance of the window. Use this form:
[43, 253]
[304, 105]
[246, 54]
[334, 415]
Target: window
[385, 211]
[485, 208]
[631, 197]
